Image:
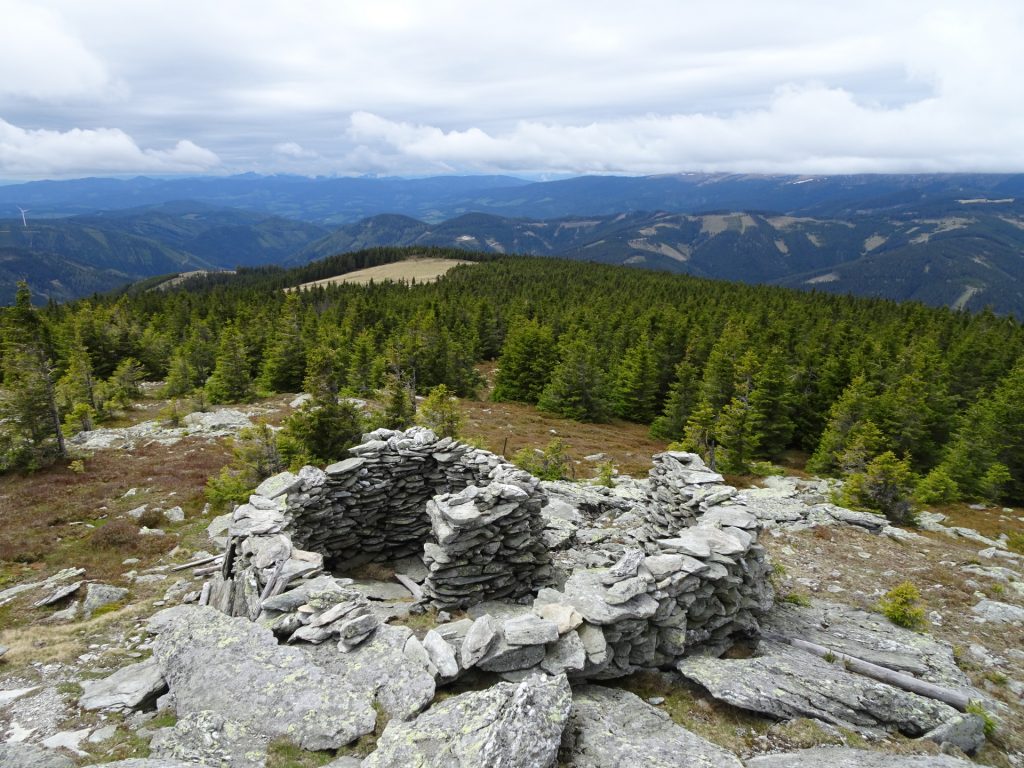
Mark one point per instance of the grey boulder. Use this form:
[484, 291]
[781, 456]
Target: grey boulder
[379, 668]
[842, 757]
[998, 613]
[131, 687]
[868, 636]
[208, 738]
[787, 683]
[610, 728]
[505, 726]
[99, 595]
[235, 668]
[20, 755]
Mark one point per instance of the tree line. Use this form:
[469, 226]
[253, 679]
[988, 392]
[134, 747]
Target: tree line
[894, 396]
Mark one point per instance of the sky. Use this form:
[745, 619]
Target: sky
[537, 89]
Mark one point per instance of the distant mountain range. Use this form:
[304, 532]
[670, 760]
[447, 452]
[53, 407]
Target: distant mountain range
[335, 201]
[953, 240]
[76, 256]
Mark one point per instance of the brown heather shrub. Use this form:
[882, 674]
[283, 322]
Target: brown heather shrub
[151, 518]
[117, 534]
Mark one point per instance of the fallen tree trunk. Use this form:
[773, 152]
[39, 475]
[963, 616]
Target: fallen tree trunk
[957, 699]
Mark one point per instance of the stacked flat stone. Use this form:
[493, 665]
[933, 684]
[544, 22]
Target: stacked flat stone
[686, 576]
[318, 610]
[372, 507]
[376, 507]
[681, 487]
[486, 544]
[694, 593]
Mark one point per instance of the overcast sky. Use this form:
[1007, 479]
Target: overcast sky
[524, 87]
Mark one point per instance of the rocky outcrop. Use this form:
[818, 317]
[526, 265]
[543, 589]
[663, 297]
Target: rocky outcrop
[505, 726]
[236, 669]
[609, 728]
[19, 755]
[222, 422]
[390, 666]
[839, 757]
[871, 637]
[211, 739]
[786, 683]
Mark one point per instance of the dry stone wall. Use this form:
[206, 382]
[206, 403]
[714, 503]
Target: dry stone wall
[690, 577]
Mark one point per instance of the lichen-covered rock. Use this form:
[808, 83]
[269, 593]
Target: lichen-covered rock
[20, 755]
[401, 683]
[208, 738]
[787, 683]
[129, 688]
[99, 595]
[868, 636]
[235, 668]
[505, 726]
[841, 757]
[609, 728]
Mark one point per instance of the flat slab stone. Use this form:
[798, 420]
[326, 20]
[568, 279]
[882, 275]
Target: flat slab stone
[129, 688]
[841, 757]
[507, 725]
[611, 728]
[58, 594]
[236, 668]
[278, 485]
[787, 683]
[346, 467]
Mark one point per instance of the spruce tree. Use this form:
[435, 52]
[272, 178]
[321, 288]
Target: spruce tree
[440, 412]
[679, 403]
[854, 407]
[635, 383]
[30, 424]
[578, 388]
[399, 405]
[527, 360]
[363, 374]
[231, 381]
[739, 423]
[284, 361]
[77, 385]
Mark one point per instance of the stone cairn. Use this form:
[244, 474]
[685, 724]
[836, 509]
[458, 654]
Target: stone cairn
[693, 579]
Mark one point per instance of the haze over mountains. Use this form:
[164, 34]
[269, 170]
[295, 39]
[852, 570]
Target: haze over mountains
[953, 240]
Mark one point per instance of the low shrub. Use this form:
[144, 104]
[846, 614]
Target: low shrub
[151, 518]
[900, 606]
[117, 534]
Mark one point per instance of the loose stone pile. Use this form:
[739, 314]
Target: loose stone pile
[693, 575]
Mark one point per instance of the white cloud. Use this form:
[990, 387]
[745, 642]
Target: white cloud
[802, 130]
[452, 85]
[294, 151]
[31, 153]
[42, 59]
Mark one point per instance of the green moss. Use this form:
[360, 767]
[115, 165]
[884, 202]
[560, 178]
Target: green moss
[283, 753]
[165, 719]
[795, 598]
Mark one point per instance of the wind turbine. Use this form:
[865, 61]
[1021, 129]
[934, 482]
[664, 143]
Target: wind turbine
[24, 222]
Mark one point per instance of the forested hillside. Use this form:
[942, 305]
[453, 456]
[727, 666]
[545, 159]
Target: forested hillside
[740, 373]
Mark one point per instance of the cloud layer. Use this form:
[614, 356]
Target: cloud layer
[440, 86]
